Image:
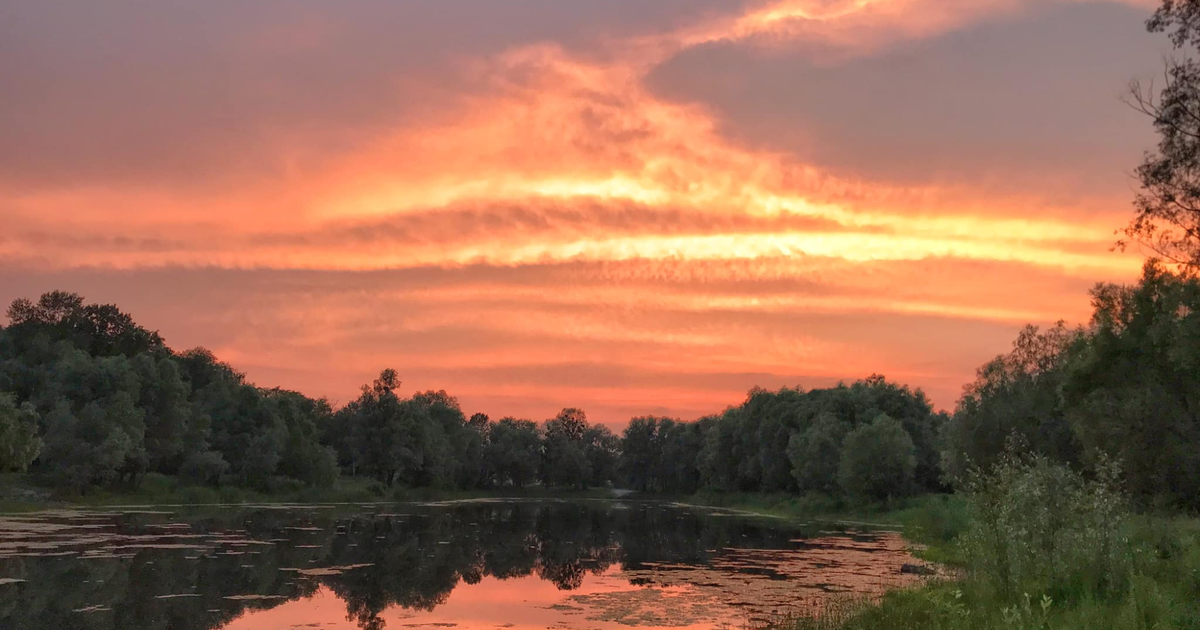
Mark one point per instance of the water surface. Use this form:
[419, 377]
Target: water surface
[474, 564]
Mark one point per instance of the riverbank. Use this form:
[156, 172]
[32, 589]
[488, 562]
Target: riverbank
[1156, 587]
[931, 522]
[24, 493]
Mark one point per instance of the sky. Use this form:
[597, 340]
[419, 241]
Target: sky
[624, 206]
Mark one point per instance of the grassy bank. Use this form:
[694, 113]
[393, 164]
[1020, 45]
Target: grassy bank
[1162, 591]
[1038, 548]
[22, 493]
[931, 522]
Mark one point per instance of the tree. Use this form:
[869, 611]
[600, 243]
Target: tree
[390, 435]
[480, 422]
[1132, 392]
[475, 470]
[262, 457]
[163, 395]
[718, 459]
[875, 395]
[602, 449]
[878, 460]
[303, 456]
[95, 446]
[564, 457]
[447, 442]
[572, 422]
[19, 442]
[679, 470]
[1167, 218]
[1015, 396]
[816, 454]
[98, 329]
[768, 420]
[206, 467]
[514, 451]
[641, 452]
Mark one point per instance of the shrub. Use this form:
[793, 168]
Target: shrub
[1040, 528]
[935, 519]
[878, 460]
[204, 467]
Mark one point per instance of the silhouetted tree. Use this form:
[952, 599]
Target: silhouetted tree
[1168, 207]
[1015, 395]
[514, 451]
[1132, 391]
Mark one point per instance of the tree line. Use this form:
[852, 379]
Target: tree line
[1123, 391]
[88, 398]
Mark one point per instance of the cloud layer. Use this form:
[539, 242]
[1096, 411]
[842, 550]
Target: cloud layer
[630, 207]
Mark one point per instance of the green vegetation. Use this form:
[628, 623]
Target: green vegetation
[94, 405]
[23, 493]
[1040, 547]
[873, 439]
[91, 402]
[19, 442]
[1168, 205]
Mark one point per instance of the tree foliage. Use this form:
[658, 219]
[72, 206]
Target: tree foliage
[19, 442]
[88, 398]
[1015, 394]
[1167, 218]
[878, 460]
[1133, 391]
[790, 440]
[1125, 388]
[111, 402]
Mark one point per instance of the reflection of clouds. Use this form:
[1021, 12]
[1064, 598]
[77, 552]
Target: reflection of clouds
[760, 584]
[458, 561]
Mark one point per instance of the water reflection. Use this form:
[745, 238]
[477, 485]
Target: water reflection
[601, 563]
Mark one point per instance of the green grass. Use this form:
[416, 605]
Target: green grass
[23, 493]
[155, 489]
[1156, 600]
[932, 522]
[1145, 574]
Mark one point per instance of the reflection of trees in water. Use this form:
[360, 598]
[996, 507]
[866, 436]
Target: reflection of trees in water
[415, 559]
[129, 591]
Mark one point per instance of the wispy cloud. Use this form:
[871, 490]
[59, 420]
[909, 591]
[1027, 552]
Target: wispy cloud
[532, 213]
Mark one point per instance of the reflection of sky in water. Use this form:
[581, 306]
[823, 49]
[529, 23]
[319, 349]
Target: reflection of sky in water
[473, 564]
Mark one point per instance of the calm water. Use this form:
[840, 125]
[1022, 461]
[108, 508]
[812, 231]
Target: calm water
[478, 564]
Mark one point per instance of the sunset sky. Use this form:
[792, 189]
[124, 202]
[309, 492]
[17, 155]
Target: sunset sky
[628, 206]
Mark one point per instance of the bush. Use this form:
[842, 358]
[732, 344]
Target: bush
[935, 519]
[19, 442]
[204, 467]
[197, 495]
[230, 494]
[1040, 528]
[280, 485]
[878, 461]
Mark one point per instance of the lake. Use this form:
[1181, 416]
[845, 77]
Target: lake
[467, 564]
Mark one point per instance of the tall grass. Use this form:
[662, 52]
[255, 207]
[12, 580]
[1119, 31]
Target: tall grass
[1038, 527]
[1041, 548]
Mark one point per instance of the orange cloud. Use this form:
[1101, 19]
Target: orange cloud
[622, 231]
